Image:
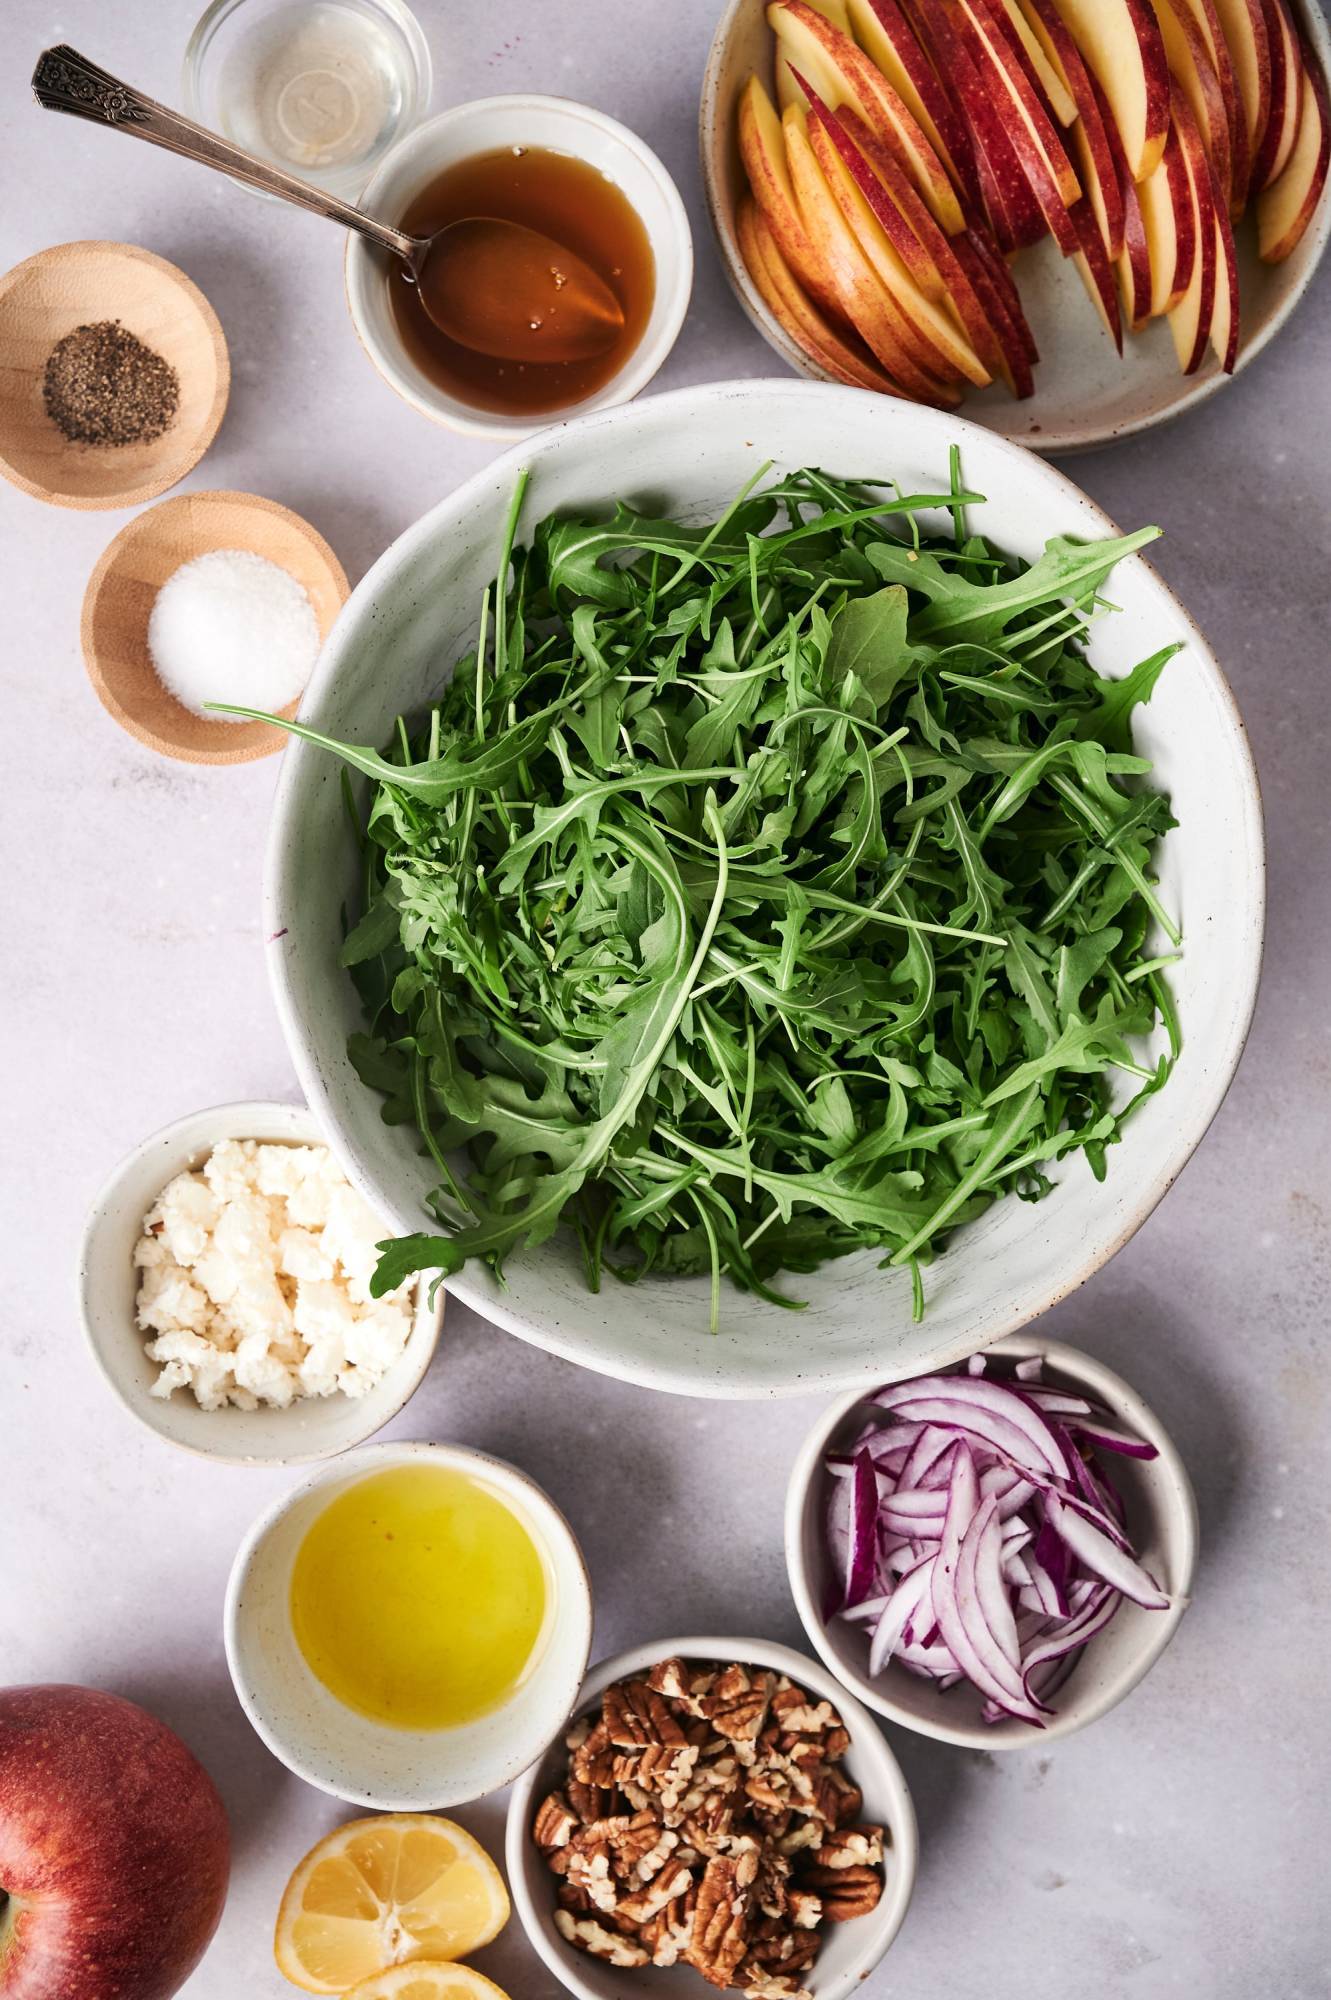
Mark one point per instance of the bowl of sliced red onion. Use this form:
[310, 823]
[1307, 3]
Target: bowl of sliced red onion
[997, 1554]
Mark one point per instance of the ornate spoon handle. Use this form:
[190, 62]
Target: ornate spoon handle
[66, 81]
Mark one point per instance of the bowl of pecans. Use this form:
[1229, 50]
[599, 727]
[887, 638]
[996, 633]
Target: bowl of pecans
[719, 1811]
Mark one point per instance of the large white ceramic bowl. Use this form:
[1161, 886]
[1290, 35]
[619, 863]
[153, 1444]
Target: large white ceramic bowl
[847, 1953]
[690, 452]
[1086, 394]
[365, 1762]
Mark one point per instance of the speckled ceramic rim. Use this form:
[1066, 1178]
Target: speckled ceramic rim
[690, 404]
[1071, 1713]
[531, 1884]
[300, 1128]
[652, 350]
[573, 1582]
[1191, 392]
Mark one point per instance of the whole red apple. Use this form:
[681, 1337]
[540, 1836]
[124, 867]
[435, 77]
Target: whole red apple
[114, 1849]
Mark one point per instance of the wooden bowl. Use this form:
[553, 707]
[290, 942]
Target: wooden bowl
[46, 297]
[119, 599]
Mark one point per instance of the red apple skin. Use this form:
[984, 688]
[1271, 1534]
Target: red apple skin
[114, 1849]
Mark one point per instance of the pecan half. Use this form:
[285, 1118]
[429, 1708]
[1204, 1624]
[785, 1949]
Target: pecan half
[554, 1822]
[851, 1847]
[846, 1892]
[736, 1704]
[632, 1713]
[718, 1942]
[589, 1936]
[593, 1761]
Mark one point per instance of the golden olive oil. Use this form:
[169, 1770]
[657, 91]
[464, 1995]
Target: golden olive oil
[419, 1598]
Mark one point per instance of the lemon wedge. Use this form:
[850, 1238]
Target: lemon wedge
[426, 1981]
[384, 1892]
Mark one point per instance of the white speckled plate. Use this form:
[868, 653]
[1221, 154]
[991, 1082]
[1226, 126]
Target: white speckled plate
[689, 453]
[1084, 394]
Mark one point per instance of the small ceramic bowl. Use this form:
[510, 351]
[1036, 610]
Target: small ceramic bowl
[259, 72]
[1162, 1522]
[119, 598]
[70, 285]
[1086, 394]
[368, 1763]
[481, 127]
[316, 1427]
[847, 1953]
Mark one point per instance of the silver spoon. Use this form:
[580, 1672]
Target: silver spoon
[489, 284]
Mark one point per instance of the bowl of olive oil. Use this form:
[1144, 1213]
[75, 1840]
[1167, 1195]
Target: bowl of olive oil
[409, 1627]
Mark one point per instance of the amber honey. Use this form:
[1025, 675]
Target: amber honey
[564, 199]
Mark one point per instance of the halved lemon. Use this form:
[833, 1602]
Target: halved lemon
[384, 1892]
[424, 1981]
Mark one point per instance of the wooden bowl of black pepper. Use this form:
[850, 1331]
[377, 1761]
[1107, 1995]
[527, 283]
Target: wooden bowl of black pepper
[113, 375]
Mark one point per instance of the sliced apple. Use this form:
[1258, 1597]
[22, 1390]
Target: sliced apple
[1016, 212]
[1243, 24]
[827, 345]
[763, 150]
[1093, 156]
[1169, 220]
[1282, 130]
[982, 250]
[1207, 18]
[1014, 361]
[1285, 209]
[1034, 135]
[1133, 264]
[864, 299]
[1046, 72]
[930, 332]
[1096, 271]
[841, 73]
[941, 274]
[890, 42]
[1120, 41]
[1191, 66]
[1191, 320]
[1225, 315]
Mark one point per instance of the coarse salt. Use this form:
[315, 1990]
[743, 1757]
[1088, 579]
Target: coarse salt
[231, 626]
[255, 1281]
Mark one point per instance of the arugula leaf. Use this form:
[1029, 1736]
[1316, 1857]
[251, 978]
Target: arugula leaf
[760, 890]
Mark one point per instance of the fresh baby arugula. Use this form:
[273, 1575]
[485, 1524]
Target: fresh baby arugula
[760, 891]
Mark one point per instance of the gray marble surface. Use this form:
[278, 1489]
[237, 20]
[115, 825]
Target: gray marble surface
[1176, 1851]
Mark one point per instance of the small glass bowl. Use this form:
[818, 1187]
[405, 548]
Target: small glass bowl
[320, 87]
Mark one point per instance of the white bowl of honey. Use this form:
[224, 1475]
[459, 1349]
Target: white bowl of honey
[557, 167]
[409, 1627]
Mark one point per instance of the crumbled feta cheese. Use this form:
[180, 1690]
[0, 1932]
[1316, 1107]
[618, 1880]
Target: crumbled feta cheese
[255, 1281]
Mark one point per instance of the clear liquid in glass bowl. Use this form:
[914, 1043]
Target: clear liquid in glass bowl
[321, 87]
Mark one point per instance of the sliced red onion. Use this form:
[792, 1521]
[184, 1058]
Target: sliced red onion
[977, 1537]
[907, 1598]
[1057, 1403]
[1108, 1437]
[1104, 1556]
[863, 1528]
[985, 1406]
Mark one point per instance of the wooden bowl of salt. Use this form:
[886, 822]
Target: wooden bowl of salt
[91, 295]
[119, 603]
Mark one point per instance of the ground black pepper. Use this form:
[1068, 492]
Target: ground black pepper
[103, 386]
